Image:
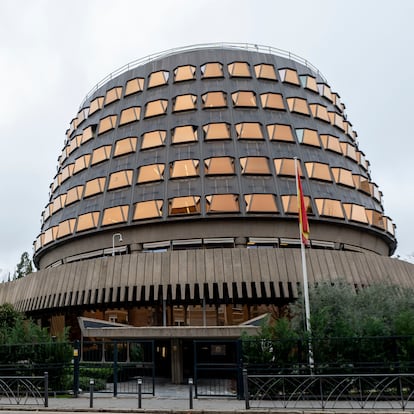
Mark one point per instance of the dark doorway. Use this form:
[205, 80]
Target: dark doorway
[163, 358]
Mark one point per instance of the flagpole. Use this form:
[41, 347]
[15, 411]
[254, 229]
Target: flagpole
[304, 271]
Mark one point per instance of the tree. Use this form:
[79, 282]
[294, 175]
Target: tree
[24, 267]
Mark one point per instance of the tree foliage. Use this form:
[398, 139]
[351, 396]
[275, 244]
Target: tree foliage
[24, 267]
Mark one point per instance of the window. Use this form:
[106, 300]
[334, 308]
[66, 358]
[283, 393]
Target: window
[82, 115]
[239, 69]
[184, 168]
[272, 101]
[214, 100]
[349, 151]
[113, 95]
[286, 166]
[265, 71]
[355, 212]
[66, 227]
[325, 91]
[114, 215]
[96, 105]
[125, 146]
[389, 225]
[148, 209]
[187, 133]
[101, 154]
[290, 204]
[67, 172]
[48, 211]
[74, 143]
[212, 70]
[377, 194]
[375, 218]
[81, 163]
[362, 183]
[309, 82]
[153, 139]
[260, 203]
[184, 103]
[184, 205]
[330, 208]
[149, 173]
[155, 108]
[280, 132]
[336, 120]
[244, 99]
[130, 115]
[289, 76]
[50, 235]
[320, 112]
[95, 186]
[249, 130]
[120, 179]
[254, 165]
[133, 86]
[308, 137]
[74, 194]
[58, 203]
[219, 130]
[183, 73]
[106, 124]
[87, 221]
[158, 78]
[363, 162]
[87, 134]
[219, 166]
[298, 105]
[222, 203]
[331, 143]
[342, 176]
[318, 171]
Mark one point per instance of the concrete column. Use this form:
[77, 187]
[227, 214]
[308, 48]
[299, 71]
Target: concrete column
[176, 361]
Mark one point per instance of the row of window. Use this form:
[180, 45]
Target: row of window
[209, 70]
[215, 203]
[188, 168]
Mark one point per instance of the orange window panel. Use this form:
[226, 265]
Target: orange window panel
[184, 103]
[81, 163]
[286, 166]
[239, 69]
[156, 108]
[184, 168]
[272, 101]
[219, 166]
[186, 133]
[265, 71]
[184, 205]
[107, 123]
[219, 130]
[280, 132]
[255, 165]
[134, 85]
[130, 115]
[158, 78]
[290, 204]
[330, 208]
[212, 70]
[260, 203]
[289, 76]
[66, 227]
[308, 137]
[120, 179]
[183, 73]
[215, 99]
[87, 221]
[298, 105]
[249, 130]
[95, 186]
[149, 173]
[320, 112]
[114, 215]
[244, 99]
[74, 194]
[355, 212]
[153, 139]
[125, 146]
[331, 143]
[101, 154]
[222, 203]
[113, 95]
[148, 209]
[96, 105]
[318, 171]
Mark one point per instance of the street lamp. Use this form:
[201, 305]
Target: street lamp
[119, 235]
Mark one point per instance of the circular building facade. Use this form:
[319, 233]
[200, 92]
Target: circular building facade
[175, 198]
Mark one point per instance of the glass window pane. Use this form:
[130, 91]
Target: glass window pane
[106, 124]
[349, 150]
[96, 104]
[219, 166]
[331, 143]
[183, 73]
[87, 221]
[50, 235]
[355, 212]
[120, 179]
[279, 132]
[87, 134]
[184, 168]
[244, 99]
[260, 203]
[286, 166]
[308, 137]
[74, 143]
[239, 69]
[125, 146]
[95, 186]
[158, 78]
[309, 82]
[155, 108]
[114, 215]
[153, 139]
[289, 76]
[298, 105]
[265, 71]
[375, 218]
[342, 176]
[101, 154]
[249, 130]
[325, 91]
[66, 227]
[290, 204]
[254, 165]
[130, 115]
[149, 173]
[318, 171]
[113, 95]
[320, 112]
[134, 85]
[187, 133]
[58, 203]
[74, 194]
[222, 203]
[336, 120]
[219, 130]
[330, 208]
[184, 103]
[212, 70]
[272, 101]
[184, 205]
[214, 100]
[148, 209]
[67, 172]
[81, 163]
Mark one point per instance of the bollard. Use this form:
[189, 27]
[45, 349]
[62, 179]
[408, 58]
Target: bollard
[91, 384]
[190, 387]
[139, 380]
[246, 389]
[46, 389]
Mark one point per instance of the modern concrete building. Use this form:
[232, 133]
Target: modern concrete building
[174, 202]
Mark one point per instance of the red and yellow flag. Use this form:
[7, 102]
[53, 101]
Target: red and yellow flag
[303, 217]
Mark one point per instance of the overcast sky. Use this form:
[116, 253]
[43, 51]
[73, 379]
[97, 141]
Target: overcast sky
[53, 52]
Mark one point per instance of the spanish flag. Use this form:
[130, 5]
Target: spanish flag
[303, 217]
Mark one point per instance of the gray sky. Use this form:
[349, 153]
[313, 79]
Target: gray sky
[53, 52]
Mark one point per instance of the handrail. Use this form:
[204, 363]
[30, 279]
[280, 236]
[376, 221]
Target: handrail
[239, 46]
